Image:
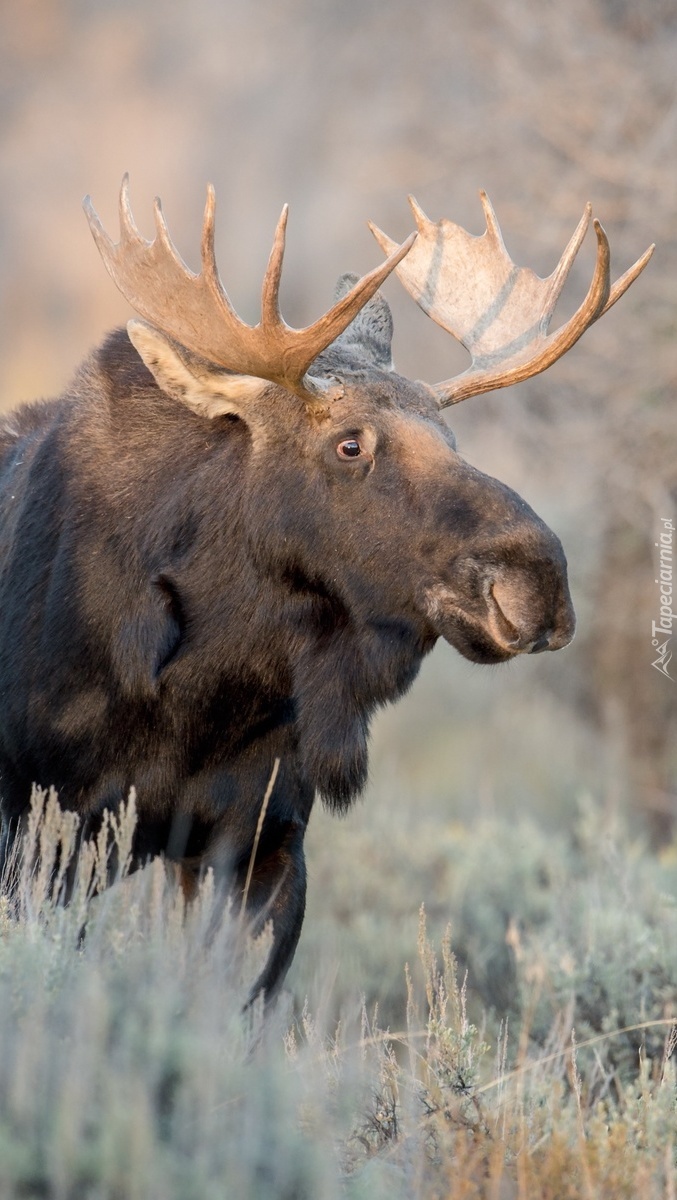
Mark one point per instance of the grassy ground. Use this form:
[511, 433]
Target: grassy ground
[527, 1053]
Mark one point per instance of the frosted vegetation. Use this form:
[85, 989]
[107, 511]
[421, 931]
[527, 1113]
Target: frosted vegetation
[535, 1059]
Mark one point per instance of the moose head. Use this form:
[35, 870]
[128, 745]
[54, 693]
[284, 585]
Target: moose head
[356, 481]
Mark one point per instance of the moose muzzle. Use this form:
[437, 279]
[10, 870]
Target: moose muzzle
[493, 612]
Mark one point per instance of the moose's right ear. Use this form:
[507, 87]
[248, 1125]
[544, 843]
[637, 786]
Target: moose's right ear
[370, 333]
[209, 392]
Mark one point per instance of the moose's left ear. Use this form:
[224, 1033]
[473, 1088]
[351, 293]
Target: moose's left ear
[209, 391]
[370, 333]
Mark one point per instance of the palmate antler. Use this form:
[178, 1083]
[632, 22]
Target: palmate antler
[195, 311]
[469, 285]
[498, 311]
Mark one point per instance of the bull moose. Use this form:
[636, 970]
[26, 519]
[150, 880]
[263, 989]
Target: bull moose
[225, 546]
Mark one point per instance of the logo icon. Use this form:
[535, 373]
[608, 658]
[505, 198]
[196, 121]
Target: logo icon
[664, 656]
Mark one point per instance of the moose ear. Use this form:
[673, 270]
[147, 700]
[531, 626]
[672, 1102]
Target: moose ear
[208, 390]
[370, 333]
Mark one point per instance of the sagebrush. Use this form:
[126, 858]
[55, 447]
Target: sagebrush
[128, 1067]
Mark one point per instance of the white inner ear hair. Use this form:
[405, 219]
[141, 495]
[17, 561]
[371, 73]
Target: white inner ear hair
[211, 393]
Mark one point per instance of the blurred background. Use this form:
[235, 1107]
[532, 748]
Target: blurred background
[342, 109]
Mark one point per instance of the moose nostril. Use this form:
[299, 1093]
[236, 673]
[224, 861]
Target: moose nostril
[543, 643]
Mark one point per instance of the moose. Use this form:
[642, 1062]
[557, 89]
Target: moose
[225, 546]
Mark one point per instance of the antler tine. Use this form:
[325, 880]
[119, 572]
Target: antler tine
[207, 253]
[195, 310]
[164, 241]
[493, 227]
[418, 214]
[621, 285]
[210, 270]
[598, 292]
[270, 291]
[498, 311]
[104, 244]
[128, 227]
[561, 272]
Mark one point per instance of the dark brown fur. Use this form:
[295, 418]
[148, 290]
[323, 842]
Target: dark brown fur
[186, 599]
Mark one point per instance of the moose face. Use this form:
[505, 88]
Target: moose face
[376, 502]
[371, 500]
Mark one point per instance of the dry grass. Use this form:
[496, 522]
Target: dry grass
[127, 1068]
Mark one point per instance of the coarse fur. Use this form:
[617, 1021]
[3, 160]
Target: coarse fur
[190, 593]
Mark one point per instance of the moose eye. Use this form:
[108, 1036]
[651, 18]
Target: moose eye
[349, 448]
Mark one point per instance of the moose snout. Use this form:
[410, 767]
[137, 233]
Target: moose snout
[529, 610]
[495, 611]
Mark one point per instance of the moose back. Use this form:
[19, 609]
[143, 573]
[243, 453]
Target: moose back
[227, 545]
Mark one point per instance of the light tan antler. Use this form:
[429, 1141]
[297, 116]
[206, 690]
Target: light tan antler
[498, 311]
[195, 311]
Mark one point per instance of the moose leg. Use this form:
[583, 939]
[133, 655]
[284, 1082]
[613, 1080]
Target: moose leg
[277, 893]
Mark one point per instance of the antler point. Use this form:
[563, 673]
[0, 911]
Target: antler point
[493, 227]
[419, 216]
